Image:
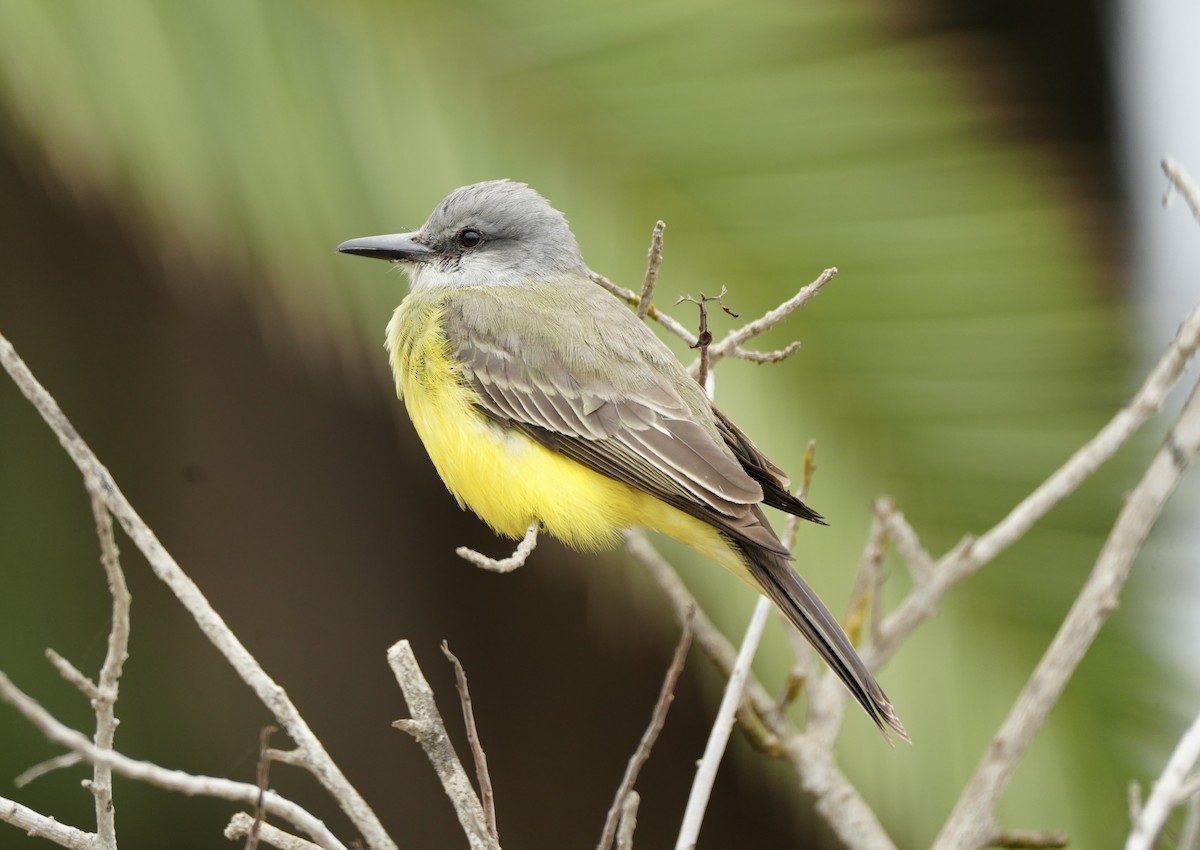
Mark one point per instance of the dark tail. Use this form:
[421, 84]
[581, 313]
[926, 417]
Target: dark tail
[774, 574]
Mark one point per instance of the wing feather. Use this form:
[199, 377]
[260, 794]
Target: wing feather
[621, 405]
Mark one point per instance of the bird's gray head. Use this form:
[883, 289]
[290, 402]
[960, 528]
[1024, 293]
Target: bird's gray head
[487, 234]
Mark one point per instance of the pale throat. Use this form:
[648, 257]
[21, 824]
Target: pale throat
[428, 277]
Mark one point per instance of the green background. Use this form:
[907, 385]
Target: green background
[177, 175]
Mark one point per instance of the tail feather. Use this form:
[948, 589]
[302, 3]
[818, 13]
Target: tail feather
[774, 574]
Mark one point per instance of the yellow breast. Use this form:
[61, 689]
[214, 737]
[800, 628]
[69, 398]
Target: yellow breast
[499, 473]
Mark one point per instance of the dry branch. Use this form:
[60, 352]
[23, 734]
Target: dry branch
[98, 480]
[714, 749]
[482, 774]
[427, 728]
[970, 825]
[618, 812]
[172, 780]
[241, 825]
[1170, 790]
[504, 565]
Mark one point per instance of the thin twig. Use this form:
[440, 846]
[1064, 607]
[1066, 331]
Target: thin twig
[48, 766]
[704, 337]
[153, 774]
[1191, 786]
[1168, 792]
[973, 553]
[706, 772]
[864, 596]
[733, 341]
[776, 356]
[241, 824]
[72, 675]
[504, 565]
[658, 717]
[632, 299]
[971, 820]
[1189, 833]
[1134, 800]
[108, 686]
[427, 728]
[482, 775]
[653, 261]
[293, 757]
[803, 664]
[1182, 182]
[1020, 839]
[98, 478]
[261, 775]
[757, 702]
[905, 539]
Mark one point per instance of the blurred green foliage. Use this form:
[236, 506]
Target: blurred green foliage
[967, 346]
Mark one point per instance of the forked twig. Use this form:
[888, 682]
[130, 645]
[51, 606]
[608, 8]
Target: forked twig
[275, 698]
[427, 728]
[970, 822]
[704, 337]
[173, 780]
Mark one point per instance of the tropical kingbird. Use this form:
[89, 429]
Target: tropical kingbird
[539, 396]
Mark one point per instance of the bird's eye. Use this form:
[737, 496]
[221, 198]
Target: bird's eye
[469, 238]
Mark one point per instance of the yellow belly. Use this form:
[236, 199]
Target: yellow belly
[509, 479]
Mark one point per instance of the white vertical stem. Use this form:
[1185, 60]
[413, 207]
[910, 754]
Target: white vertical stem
[706, 771]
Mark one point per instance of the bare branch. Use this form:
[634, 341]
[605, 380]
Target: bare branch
[617, 813]
[504, 565]
[715, 645]
[37, 825]
[632, 299]
[803, 663]
[48, 766]
[904, 538]
[1170, 790]
[775, 356]
[704, 337]
[73, 675]
[173, 780]
[427, 728]
[864, 596]
[1181, 181]
[293, 757]
[261, 777]
[653, 261]
[706, 773]
[733, 341]
[970, 822]
[1134, 800]
[972, 554]
[629, 809]
[1189, 833]
[108, 687]
[1048, 839]
[812, 758]
[241, 825]
[482, 774]
[98, 480]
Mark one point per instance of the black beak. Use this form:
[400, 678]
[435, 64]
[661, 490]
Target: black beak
[396, 247]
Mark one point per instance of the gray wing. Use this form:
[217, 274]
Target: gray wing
[600, 388]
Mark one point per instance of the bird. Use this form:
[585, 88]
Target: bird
[542, 398]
